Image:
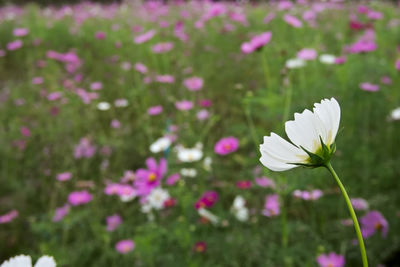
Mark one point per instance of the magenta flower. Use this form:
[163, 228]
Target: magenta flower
[307, 54]
[140, 67]
[386, 80]
[19, 32]
[369, 87]
[200, 247]
[53, 96]
[162, 47]
[173, 178]
[64, 176]
[265, 182]
[271, 206]
[37, 80]
[359, 203]
[125, 246]
[96, 86]
[244, 184]
[8, 217]
[147, 179]
[226, 145]
[100, 35]
[193, 83]
[373, 221]
[154, 110]
[14, 45]
[77, 198]
[60, 213]
[397, 64]
[205, 103]
[207, 200]
[363, 46]
[84, 149]
[292, 20]
[116, 124]
[25, 131]
[184, 105]
[257, 42]
[165, 79]
[112, 189]
[340, 60]
[331, 260]
[113, 222]
[144, 37]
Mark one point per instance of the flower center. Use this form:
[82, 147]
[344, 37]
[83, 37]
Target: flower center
[377, 226]
[200, 248]
[227, 146]
[152, 177]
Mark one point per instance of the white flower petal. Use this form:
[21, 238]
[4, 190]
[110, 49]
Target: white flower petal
[45, 261]
[17, 261]
[329, 113]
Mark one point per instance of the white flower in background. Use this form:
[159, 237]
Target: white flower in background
[239, 209]
[295, 63]
[188, 172]
[146, 208]
[313, 135]
[157, 198]
[190, 154]
[208, 215]
[327, 59]
[207, 163]
[395, 114]
[161, 144]
[103, 106]
[127, 197]
[26, 261]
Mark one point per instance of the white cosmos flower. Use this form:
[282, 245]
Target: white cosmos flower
[157, 198]
[208, 215]
[327, 59]
[161, 144]
[103, 106]
[239, 209]
[188, 172]
[189, 154]
[295, 63]
[207, 163]
[395, 114]
[306, 133]
[26, 261]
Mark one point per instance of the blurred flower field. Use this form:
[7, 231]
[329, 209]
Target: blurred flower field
[130, 133]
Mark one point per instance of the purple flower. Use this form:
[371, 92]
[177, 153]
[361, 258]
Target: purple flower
[147, 179]
[19, 32]
[77, 198]
[113, 222]
[372, 222]
[84, 149]
[265, 182]
[100, 35]
[14, 45]
[331, 260]
[397, 64]
[173, 178]
[162, 47]
[96, 86]
[307, 54]
[271, 206]
[60, 213]
[359, 203]
[184, 105]
[193, 83]
[154, 110]
[363, 46]
[64, 176]
[202, 114]
[140, 67]
[226, 145]
[144, 37]
[125, 246]
[37, 80]
[8, 217]
[256, 42]
[165, 79]
[116, 124]
[369, 87]
[293, 21]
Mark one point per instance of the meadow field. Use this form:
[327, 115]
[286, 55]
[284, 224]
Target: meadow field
[130, 133]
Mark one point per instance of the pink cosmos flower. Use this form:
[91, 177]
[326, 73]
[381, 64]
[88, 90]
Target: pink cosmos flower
[173, 178]
[144, 37]
[269, 18]
[184, 105]
[165, 78]
[37, 80]
[397, 64]
[60, 213]
[271, 206]
[64, 176]
[11, 46]
[386, 80]
[113, 222]
[265, 182]
[96, 86]
[202, 115]
[373, 221]
[226, 145]
[77, 198]
[154, 110]
[363, 46]
[205, 103]
[374, 15]
[257, 42]
[307, 54]
[284, 5]
[25, 131]
[200, 247]
[86, 97]
[331, 260]
[193, 83]
[116, 124]
[292, 20]
[100, 35]
[147, 179]
[369, 87]
[162, 47]
[8, 217]
[125, 246]
[140, 67]
[359, 203]
[19, 32]
[84, 149]
[207, 200]
[340, 60]
[244, 184]
[112, 189]
[53, 96]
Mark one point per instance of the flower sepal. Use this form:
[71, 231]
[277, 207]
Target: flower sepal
[320, 158]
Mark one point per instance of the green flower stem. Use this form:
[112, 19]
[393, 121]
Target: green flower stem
[352, 213]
